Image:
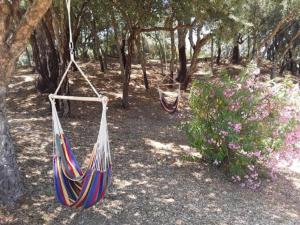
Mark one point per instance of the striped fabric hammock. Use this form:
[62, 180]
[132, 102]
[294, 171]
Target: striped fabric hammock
[75, 188]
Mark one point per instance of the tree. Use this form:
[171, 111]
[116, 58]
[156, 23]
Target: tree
[45, 55]
[14, 35]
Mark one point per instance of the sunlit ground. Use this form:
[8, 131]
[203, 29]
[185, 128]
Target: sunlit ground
[153, 182]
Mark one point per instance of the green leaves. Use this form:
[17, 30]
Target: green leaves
[234, 121]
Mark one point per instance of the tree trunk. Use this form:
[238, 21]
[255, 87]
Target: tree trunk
[248, 47]
[103, 55]
[124, 67]
[122, 48]
[11, 187]
[96, 48]
[235, 55]
[126, 78]
[235, 59]
[140, 51]
[173, 55]
[254, 47]
[274, 63]
[45, 56]
[182, 73]
[162, 53]
[102, 67]
[10, 182]
[212, 54]
[219, 51]
[192, 44]
[60, 30]
[292, 14]
[194, 61]
[28, 57]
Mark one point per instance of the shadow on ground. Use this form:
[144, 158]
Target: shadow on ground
[151, 184]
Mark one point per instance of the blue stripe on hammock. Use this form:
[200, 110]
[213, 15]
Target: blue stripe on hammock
[102, 176]
[58, 194]
[93, 190]
[68, 184]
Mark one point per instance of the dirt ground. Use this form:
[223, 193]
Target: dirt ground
[152, 184]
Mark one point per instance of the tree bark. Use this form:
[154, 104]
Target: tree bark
[194, 62]
[182, 73]
[126, 78]
[162, 53]
[28, 57]
[142, 61]
[192, 44]
[266, 41]
[96, 48]
[235, 59]
[248, 47]
[235, 54]
[212, 54]
[45, 56]
[11, 188]
[219, 51]
[10, 49]
[60, 28]
[173, 55]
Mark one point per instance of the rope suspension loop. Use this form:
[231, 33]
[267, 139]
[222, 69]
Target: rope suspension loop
[71, 44]
[72, 60]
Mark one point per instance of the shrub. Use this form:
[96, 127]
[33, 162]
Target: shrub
[240, 124]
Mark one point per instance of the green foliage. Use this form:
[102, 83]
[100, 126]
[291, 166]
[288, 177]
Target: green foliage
[236, 122]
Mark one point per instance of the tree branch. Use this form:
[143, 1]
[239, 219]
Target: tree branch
[289, 45]
[27, 24]
[151, 29]
[288, 18]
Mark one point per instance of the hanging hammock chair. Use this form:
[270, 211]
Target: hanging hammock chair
[169, 98]
[73, 187]
[169, 91]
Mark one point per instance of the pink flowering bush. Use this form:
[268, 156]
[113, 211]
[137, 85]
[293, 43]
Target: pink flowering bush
[243, 125]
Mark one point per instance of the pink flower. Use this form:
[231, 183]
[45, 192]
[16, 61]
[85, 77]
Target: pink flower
[237, 127]
[249, 83]
[257, 154]
[269, 149]
[286, 114]
[228, 93]
[223, 133]
[233, 146]
[211, 141]
[234, 106]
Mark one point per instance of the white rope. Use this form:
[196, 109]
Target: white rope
[101, 148]
[86, 78]
[160, 83]
[71, 45]
[63, 77]
[72, 59]
[103, 156]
